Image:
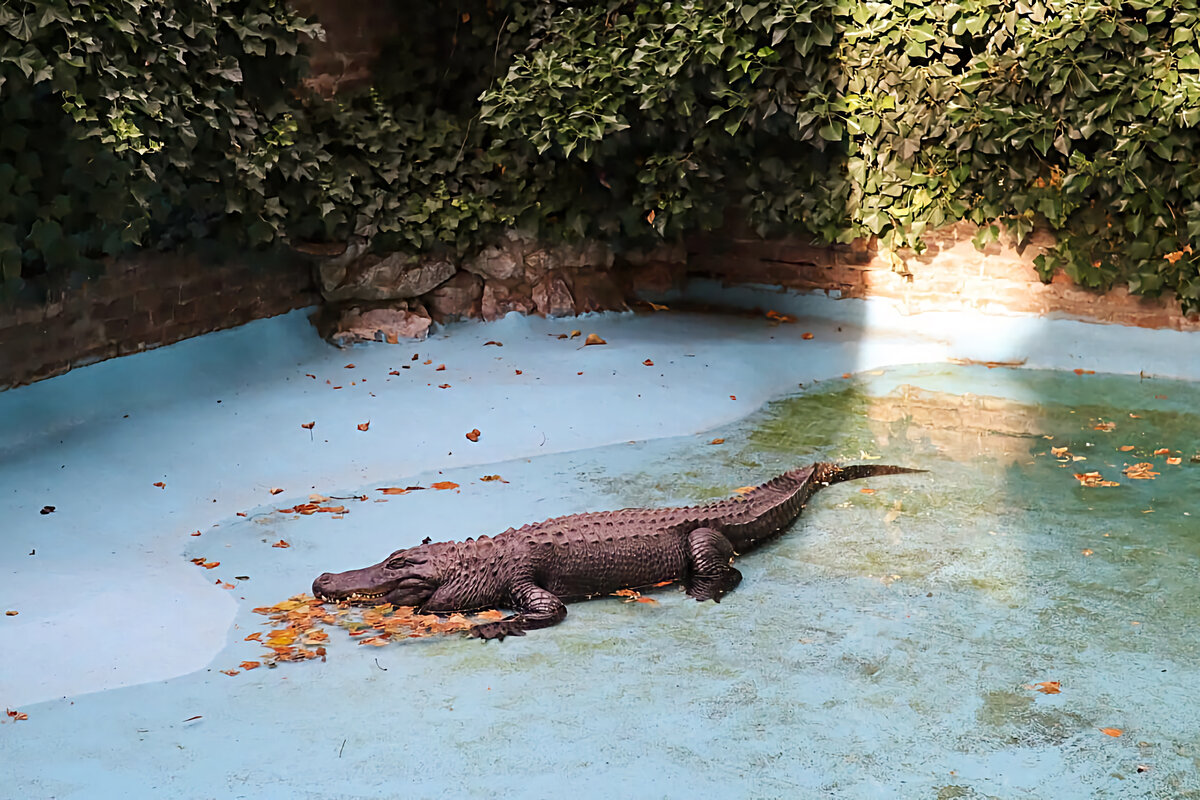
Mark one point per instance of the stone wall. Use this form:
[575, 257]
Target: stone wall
[142, 303]
[950, 276]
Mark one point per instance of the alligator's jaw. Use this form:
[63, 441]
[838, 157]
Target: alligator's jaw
[358, 586]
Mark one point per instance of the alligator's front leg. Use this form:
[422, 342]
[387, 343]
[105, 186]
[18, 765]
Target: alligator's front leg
[535, 607]
[710, 559]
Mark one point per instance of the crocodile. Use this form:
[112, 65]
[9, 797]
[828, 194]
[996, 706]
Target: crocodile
[534, 570]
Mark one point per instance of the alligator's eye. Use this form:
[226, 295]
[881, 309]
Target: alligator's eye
[399, 562]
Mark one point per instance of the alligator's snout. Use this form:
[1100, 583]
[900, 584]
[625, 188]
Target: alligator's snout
[321, 586]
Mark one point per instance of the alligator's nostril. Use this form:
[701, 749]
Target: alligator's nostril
[322, 580]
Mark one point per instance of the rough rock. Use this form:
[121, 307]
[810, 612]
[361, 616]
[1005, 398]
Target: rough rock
[456, 298]
[380, 324]
[552, 296]
[371, 277]
[499, 298]
[656, 276]
[539, 262]
[500, 261]
[597, 291]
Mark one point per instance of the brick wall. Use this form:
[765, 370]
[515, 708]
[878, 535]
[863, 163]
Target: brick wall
[141, 303]
[354, 35]
[952, 275]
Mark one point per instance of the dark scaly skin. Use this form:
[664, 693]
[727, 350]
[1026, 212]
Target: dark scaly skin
[537, 568]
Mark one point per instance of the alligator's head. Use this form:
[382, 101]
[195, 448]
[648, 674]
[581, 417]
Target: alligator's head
[405, 578]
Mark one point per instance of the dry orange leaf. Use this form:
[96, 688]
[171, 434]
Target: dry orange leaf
[231, 672]
[493, 613]
[733, 397]
[845, 374]
[277, 491]
[394, 372]
[1085, 372]
[393, 490]
[1093, 479]
[1087, 551]
[650, 217]
[1111, 731]
[310, 375]
[1104, 426]
[249, 665]
[242, 514]
[440, 368]
[349, 366]
[254, 637]
[498, 344]
[493, 478]
[1059, 452]
[806, 336]
[473, 435]
[200, 562]
[517, 371]
[867, 491]
[17, 715]
[1174, 460]
[443, 386]
[160, 484]
[11, 613]
[308, 425]
[1160, 397]
[648, 363]
[593, 339]
[1142, 471]
[717, 441]
[225, 585]
[427, 361]
[777, 317]
[1049, 687]
[1162, 451]
[362, 426]
[281, 543]
[650, 600]
[743, 490]
[1125, 448]
[443, 485]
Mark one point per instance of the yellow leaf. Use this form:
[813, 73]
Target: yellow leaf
[593, 339]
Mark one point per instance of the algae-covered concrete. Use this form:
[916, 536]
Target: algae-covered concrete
[893, 644]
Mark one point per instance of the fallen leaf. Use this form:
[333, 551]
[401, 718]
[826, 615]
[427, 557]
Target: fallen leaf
[1175, 460]
[1093, 479]
[1160, 397]
[1162, 451]
[867, 491]
[473, 435]
[593, 339]
[662, 583]
[493, 478]
[1049, 687]
[1085, 372]
[310, 375]
[308, 425]
[777, 317]
[443, 485]
[349, 366]
[733, 397]
[427, 361]
[1111, 731]
[648, 363]
[393, 490]
[242, 514]
[200, 562]
[394, 372]
[498, 344]
[254, 637]
[317, 498]
[717, 441]
[1142, 471]
[1059, 452]
[1104, 426]
[806, 336]
[657, 306]
[277, 491]
[17, 715]
[197, 533]
[225, 585]
[11, 613]
[160, 485]
[493, 613]
[646, 600]
[363, 426]
[743, 490]
[443, 386]
[517, 371]
[562, 336]
[650, 217]
[231, 672]
[1125, 448]
[440, 368]
[845, 374]
[281, 543]
[46, 510]
[249, 665]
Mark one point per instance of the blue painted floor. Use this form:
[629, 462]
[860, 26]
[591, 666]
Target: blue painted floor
[892, 645]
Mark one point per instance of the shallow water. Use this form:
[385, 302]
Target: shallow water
[889, 645]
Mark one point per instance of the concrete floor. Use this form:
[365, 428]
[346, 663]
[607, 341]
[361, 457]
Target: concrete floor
[867, 654]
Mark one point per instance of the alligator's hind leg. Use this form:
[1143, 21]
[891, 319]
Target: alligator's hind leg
[710, 559]
[536, 608]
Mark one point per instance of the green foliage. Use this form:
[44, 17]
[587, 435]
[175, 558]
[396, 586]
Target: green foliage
[130, 123]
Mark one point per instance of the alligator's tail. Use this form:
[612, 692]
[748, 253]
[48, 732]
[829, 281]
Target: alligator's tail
[825, 473]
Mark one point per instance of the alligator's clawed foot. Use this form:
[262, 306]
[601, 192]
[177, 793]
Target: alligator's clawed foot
[714, 587]
[497, 630]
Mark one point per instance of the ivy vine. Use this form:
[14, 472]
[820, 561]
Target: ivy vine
[130, 124]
